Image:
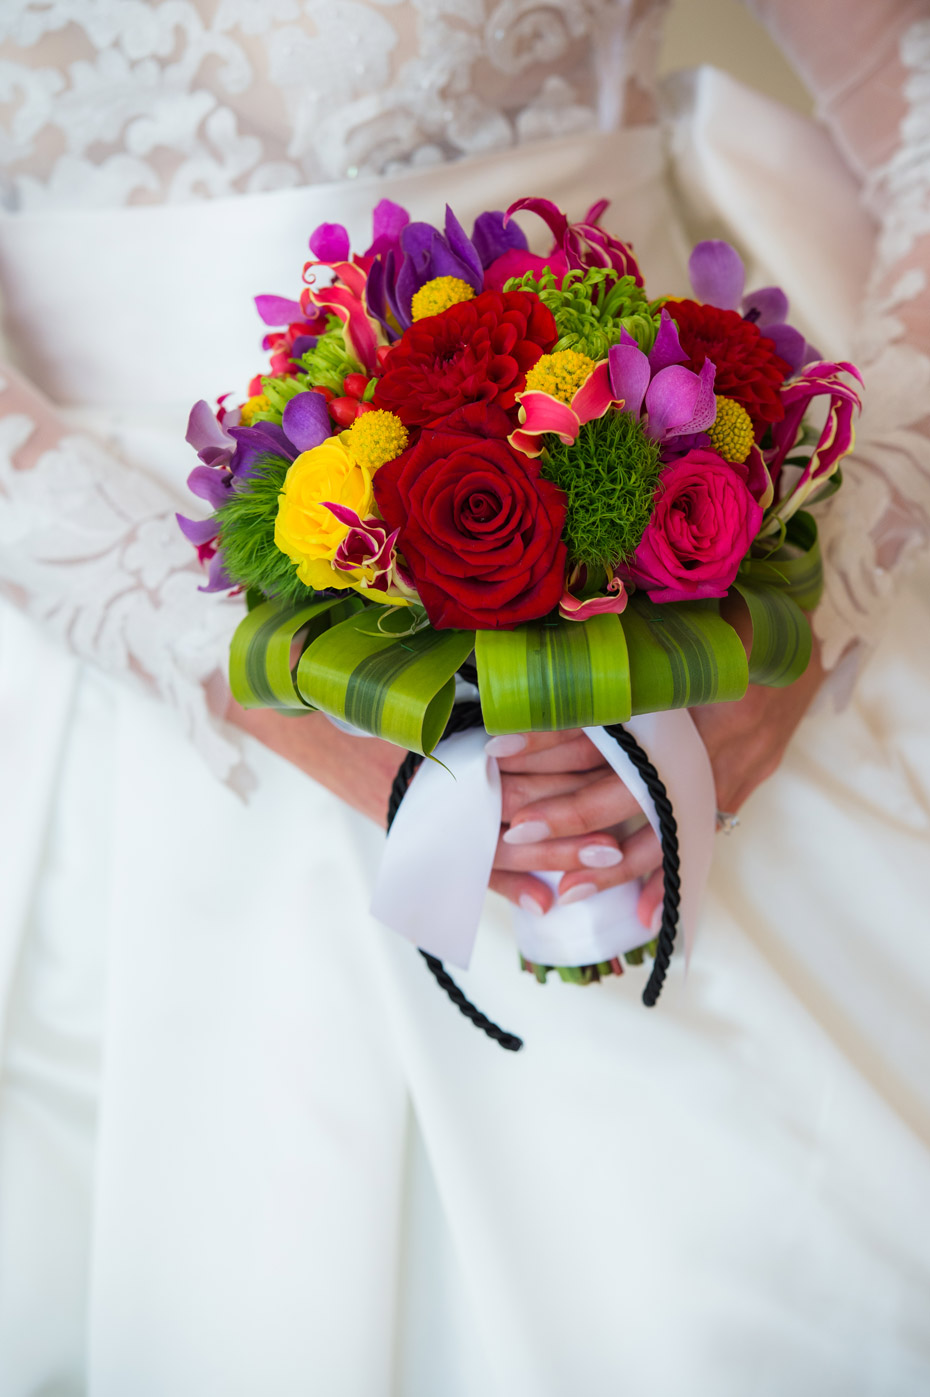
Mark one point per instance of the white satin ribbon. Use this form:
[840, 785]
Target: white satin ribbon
[438, 857]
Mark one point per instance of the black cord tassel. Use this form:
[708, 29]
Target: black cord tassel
[464, 716]
[668, 831]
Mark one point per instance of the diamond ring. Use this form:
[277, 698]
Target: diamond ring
[727, 821]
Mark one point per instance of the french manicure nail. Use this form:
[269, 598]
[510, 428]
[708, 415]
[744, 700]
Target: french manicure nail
[600, 856]
[655, 926]
[529, 904]
[507, 746]
[577, 893]
[530, 832]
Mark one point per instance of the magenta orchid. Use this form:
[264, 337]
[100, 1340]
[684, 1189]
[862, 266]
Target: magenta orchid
[678, 403]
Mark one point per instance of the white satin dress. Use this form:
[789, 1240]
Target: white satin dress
[245, 1144]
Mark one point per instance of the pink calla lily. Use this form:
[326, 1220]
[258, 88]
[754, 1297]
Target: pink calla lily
[836, 439]
[541, 413]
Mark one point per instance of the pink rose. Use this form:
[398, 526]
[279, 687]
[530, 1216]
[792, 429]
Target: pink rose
[704, 520]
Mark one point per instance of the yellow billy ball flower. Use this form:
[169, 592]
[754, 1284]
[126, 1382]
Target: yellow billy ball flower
[258, 403]
[560, 374]
[438, 295]
[377, 437]
[305, 530]
[731, 435]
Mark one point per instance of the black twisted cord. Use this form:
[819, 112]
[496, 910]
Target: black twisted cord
[668, 831]
[464, 716]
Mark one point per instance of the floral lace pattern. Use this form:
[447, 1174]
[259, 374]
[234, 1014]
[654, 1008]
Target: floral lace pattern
[91, 549]
[111, 102]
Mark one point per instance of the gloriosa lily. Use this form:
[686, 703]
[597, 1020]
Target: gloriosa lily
[584, 244]
[837, 437]
[366, 559]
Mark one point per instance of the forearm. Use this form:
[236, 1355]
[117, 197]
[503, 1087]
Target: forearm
[360, 770]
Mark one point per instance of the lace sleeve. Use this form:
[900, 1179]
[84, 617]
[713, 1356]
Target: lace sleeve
[869, 67]
[89, 546]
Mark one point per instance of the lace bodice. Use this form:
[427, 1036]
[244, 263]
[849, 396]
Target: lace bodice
[122, 101]
[112, 102]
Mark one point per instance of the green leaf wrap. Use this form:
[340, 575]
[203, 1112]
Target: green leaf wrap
[553, 674]
[260, 673]
[781, 636]
[796, 568]
[397, 687]
[681, 654]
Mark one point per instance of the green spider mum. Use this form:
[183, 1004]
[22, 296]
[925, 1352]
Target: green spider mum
[592, 308]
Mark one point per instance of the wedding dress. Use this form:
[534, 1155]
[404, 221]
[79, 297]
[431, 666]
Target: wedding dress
[245, 1146]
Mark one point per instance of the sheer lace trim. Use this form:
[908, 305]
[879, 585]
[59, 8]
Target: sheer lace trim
[92, 550]
[107, 102]
[888, 478]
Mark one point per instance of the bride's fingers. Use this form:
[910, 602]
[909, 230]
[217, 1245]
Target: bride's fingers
[574, 752]
[522, 890]
[519, 791]
[649, 907]
[524, 744]
[642, 855]
[559, 855]
[588, 808]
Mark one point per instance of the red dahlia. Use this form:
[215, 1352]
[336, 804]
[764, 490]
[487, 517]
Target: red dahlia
[748, 369]
[476, 352]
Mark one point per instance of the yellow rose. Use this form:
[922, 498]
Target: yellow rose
[305, 530]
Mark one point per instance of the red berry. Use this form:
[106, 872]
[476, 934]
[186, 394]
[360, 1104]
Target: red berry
[365, 407]
[355, 385]
[325, 393]
[344, 411]
[381, 353]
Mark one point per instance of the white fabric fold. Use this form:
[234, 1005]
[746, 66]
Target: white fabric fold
[440, 850]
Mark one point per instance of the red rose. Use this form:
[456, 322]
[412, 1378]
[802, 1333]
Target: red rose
[748, 369]
[480, 529]
[476, 352]
[703, 522]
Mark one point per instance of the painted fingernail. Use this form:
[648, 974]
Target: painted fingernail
[530, 832]
[655, 926]
[507, 746]
[529, 904]
[578, 893]
[600, 856]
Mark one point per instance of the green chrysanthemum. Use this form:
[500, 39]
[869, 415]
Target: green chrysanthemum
[329, 363]
[247, 520]
[592, 308]
[609, 476]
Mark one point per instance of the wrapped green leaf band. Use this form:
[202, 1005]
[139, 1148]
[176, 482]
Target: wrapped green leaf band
[389, 673]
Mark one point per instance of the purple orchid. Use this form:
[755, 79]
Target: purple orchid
[679, 405]
[422, 255]
[718, 278]
[232, 455]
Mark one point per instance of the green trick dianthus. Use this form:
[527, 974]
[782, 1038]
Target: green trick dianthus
[246, 535]
[592, 308]
[609, 476]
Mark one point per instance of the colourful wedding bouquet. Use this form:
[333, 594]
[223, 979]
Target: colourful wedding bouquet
[467, 457]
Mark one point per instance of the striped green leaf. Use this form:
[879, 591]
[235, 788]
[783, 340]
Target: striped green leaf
[553, 674]
[396, 686]
[796, 568]
[260, 671]
[681, 654]
[781, 635]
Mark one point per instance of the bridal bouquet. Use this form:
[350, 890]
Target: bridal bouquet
[466, 457]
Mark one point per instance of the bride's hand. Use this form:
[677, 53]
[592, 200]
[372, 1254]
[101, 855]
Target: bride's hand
[562, 799]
